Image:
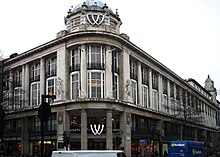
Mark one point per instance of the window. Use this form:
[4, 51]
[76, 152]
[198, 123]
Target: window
[115, 86]
[133, 70]
[17, 97]
[145, 77]
[51, 86]
[154, 80]
[155, 99]
[75, 59]
[115, 61]
[18, 78]
[35, 72]
[52, 66]
[95, 57]
[96, 84]
[134, 91]
[165, 103]
[51, 123]
[145, 96]
[115, 71]
[75, 85]
[35, 93]
[164, 81]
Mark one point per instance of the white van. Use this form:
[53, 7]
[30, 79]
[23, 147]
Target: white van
[89, 153]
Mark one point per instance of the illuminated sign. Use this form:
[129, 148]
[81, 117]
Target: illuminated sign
[97, 130]
[177, 145]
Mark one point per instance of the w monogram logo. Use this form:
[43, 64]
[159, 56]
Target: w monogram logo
[97, 130]
[95, 19]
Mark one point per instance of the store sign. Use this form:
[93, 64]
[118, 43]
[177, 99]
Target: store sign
[95, 19]
[96, 129]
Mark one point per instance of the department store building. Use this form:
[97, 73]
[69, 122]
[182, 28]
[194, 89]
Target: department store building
[105, 87]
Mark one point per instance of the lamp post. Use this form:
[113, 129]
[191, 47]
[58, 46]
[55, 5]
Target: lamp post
[44, 112]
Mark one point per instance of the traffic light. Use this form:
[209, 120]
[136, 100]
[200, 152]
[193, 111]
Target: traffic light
[66, 139]
[118, 140]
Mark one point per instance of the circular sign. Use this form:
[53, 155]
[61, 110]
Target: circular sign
[44, 111]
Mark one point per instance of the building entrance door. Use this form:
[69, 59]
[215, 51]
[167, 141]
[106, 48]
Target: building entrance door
[97, 144]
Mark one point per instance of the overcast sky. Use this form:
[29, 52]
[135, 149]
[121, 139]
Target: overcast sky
[184, 35]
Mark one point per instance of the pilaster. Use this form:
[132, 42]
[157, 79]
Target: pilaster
[108, 73]
[139, 84]
[83, 72]
[109, 130]
[42, 76]
[84, 140]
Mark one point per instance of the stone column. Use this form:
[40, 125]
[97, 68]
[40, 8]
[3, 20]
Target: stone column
[160, 93]
[11, 91]
[150, 89]
[62, 72]
[60, 128]
[83, 72]
[26, 84]
[109, 130]
[24, 136]
[125, 83]
[168, 96]
[139, 84]
[42, 76]
[108, 73]
[125, 126]
[84, 140]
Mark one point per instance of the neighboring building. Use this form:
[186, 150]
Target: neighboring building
[105, 87]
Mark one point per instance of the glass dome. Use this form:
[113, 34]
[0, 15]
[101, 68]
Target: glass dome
[91, 4]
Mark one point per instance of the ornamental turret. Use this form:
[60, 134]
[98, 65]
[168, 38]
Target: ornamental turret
[92, 15]
[209, 86]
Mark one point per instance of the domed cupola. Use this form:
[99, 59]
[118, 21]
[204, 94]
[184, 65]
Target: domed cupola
[92, 15]
[209, 86]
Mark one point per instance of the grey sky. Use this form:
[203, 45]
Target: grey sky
[184, 35]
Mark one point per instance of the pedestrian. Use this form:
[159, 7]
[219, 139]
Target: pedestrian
[165, 154]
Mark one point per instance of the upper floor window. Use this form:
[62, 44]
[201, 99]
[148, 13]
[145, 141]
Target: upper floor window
[5, 81]
[164, 82]
[145, 77]
[51, 86]
[95, 58]
[75, 85]
[172, 89]
[35, 94]
[154, 80]
[95, 84]
[134, 91]
[17, 97]
[35, 72]
[52, 66]
[75, 59]
[177, 92]
[145, 96]
[115, 61]
[133, 69]
[155, 99]
[115, 86]
[18, 77]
